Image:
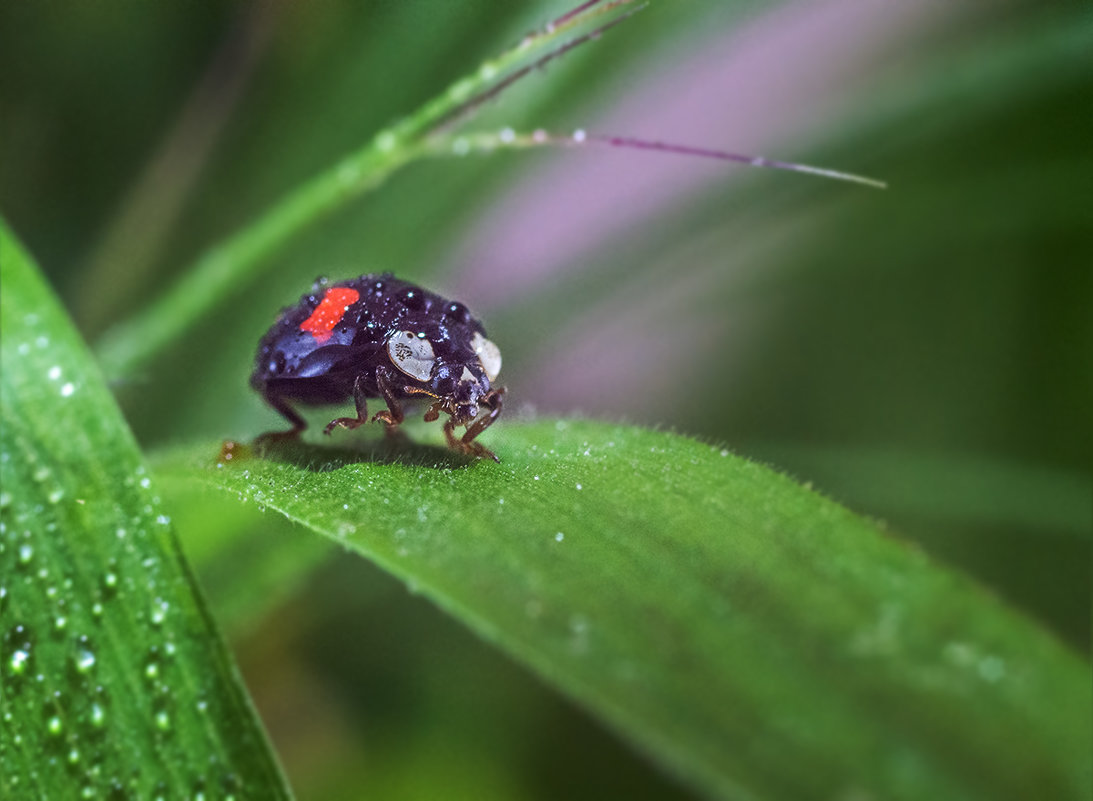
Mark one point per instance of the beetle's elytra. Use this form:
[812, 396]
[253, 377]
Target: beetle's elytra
[379, 337]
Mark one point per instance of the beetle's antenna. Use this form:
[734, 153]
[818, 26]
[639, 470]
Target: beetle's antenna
[507, 138]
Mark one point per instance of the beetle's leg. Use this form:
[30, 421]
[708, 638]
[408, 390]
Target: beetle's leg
[493, 400]
[362, 410]
[467, 444]
[298, 423]
[449, 434]
[433, 412]
[392, 415]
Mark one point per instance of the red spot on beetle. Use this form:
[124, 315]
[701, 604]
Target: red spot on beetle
[329, 312]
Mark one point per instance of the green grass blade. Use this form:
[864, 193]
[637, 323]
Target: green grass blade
[754, 637]
[114, 681]
[228, 265]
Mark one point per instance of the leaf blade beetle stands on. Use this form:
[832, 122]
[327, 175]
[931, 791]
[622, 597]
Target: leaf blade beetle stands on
[379, 337]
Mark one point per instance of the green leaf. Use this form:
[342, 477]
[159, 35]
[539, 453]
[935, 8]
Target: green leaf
[756, 638]
[247, 563]
[114, 680]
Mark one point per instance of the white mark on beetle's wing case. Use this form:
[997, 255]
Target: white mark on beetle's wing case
[488, 354]
[411, 354]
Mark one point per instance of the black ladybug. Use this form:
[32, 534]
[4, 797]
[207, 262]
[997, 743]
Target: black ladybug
[379, 337]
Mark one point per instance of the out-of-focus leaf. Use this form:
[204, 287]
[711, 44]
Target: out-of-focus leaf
[755, 637]
[951, 488]
[114, 681]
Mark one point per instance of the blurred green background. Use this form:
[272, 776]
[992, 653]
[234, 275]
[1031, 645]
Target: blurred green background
[921, 354]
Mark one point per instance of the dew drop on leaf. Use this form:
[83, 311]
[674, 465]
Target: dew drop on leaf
[19, 660]
[97, 716]
[158, 612]
[85, 660]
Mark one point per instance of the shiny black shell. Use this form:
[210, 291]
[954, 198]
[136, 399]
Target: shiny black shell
[295, 364]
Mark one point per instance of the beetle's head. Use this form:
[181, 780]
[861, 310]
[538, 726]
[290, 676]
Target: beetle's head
[465, 383]
[471, 384]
